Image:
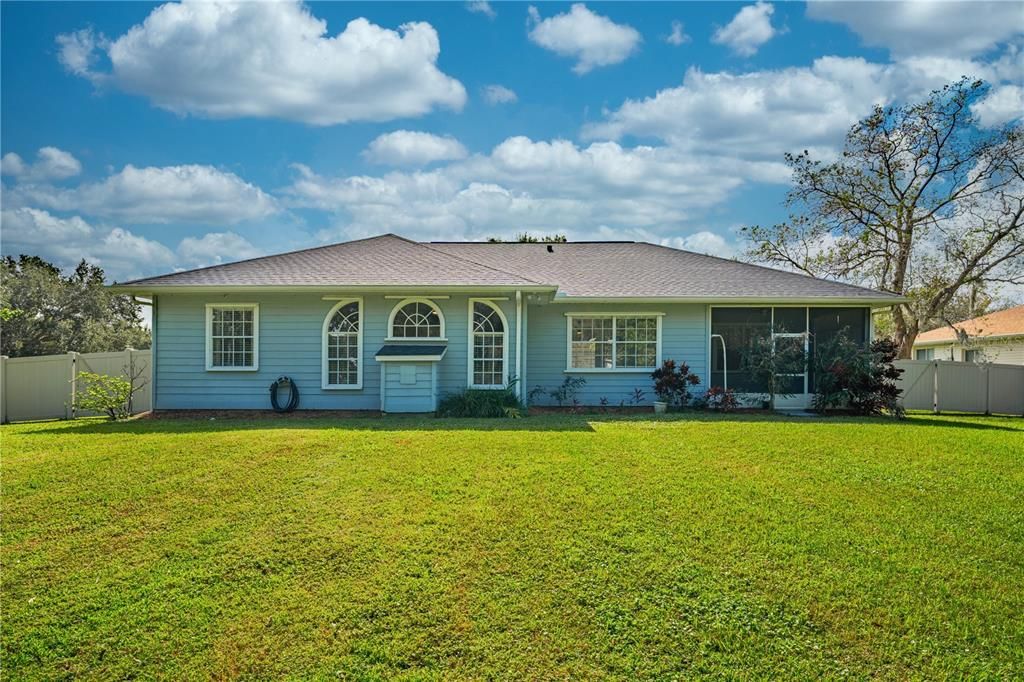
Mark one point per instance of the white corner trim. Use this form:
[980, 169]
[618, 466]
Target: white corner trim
[255, 307]
[519, 346]
[324, 373]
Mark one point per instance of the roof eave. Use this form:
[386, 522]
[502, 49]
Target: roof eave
[142, 288]
[882, 301]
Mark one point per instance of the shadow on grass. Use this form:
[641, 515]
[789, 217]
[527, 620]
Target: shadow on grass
[197, 422]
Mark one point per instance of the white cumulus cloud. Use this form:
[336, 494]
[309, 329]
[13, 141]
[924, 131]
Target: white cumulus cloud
[122, 254]
[413, 148]
[1002, 105]
[677, 37]
[762, 114]
[602, 190]
[703, 241]
[67, 241]
[749, 29]
[593, 40]
[926, 26]
[50, 164]
[481, 7]
[215, 248]
[269, 60]
[168, 194]
[499, 94]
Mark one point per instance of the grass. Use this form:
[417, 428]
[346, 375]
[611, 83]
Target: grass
[549, 547]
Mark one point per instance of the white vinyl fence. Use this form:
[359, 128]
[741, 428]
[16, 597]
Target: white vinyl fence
[44, 387]
[942, 385]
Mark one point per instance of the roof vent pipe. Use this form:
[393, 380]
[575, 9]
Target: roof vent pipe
[551, 249]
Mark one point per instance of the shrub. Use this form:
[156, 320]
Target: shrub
[863, 381]
[102, 393]
[565, 393]
[672, 382]
[481, 402]
[766, 361]
[716, 398]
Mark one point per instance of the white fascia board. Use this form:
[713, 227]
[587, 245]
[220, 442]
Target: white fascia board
[821, 301]
[323, 289]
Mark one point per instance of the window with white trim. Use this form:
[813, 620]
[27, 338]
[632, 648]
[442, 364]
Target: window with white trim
[417, 319]
[343, 346]
[232, 336]
[614, 342]
[489, 341]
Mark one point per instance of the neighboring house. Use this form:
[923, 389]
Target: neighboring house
[997, 337]
[390, 324]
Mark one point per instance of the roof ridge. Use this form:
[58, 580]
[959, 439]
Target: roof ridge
[256, 258]
[770, 269]
[482, 265]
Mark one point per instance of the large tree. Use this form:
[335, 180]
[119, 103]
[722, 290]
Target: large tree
[44, 312]
[923, 202]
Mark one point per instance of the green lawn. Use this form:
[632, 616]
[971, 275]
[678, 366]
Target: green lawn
[549, 547]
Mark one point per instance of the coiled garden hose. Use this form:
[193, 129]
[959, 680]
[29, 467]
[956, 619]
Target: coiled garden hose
[293, 401]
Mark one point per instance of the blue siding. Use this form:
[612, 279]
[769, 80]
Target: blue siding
[684, 337]
[290, 343]
[417, 397]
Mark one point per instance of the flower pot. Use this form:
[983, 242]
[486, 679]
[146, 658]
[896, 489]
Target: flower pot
[660, 406]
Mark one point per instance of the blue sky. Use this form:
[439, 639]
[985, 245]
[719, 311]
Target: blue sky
[150, 137]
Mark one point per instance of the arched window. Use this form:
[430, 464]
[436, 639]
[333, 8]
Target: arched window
[343, 346]
[488, 339]
[416, 318]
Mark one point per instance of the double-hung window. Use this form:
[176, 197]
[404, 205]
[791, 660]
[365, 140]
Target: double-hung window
[232, 337]
[614, 342]
[342, 346]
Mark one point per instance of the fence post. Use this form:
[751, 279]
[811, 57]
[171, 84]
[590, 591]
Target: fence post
[3, 389]
[127, 368]
[69, 407]
[988, 389]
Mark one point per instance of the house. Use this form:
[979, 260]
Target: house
[996, 337]
[390, 324]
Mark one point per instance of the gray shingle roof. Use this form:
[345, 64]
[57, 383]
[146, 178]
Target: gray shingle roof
[583, 269]
[640, 270]
[387, 260]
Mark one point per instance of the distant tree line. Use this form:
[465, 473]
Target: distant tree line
[526, 238]
[45, 312]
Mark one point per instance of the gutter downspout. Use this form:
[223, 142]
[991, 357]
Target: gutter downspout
[519, 341]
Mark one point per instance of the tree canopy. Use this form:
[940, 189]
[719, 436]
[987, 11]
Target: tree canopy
[923, 202]
[45, 312]
[527, 238]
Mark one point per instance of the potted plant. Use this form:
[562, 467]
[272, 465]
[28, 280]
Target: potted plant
[672, 385]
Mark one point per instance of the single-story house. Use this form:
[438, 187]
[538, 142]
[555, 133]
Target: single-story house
[390, 324]
[996, 337]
